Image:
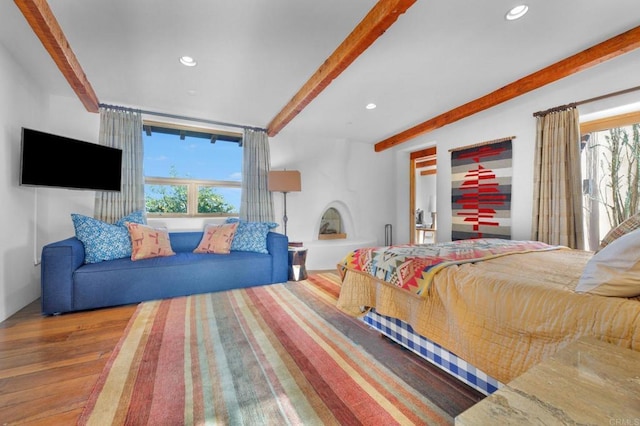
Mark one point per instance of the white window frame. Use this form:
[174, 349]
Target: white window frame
[192, 184]
[600, 125]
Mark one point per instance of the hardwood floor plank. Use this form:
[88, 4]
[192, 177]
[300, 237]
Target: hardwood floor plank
[47, 365]
[50, 364]
[40, 401]
[53, 343]
[65, 418]
[36, 325]
[79, 344]
[50, 376]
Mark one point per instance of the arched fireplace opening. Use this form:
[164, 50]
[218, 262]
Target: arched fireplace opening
[327, 249]
[331, 225]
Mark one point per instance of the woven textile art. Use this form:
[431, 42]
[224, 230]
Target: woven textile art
[481, 191]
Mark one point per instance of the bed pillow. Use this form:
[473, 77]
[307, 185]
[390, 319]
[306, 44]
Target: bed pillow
[217, 238]
[148, 242]
[104, 241]
[614, 270]
[251, 236]
[625, 227]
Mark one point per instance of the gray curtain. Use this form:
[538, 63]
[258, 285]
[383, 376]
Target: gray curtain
[256, 204]
[557, 202]
[122, 128]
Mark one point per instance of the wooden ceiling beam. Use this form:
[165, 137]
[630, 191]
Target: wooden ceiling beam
[426, 152]
[588, 58]
[425, 163]
[46, 27]
[377, 21]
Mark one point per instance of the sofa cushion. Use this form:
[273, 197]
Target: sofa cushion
[217, 238]
[185, 241]
[148, 242]
[104, 241]
[123, 281]
[251, 236]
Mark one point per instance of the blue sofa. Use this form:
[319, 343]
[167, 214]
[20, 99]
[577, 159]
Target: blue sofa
[68, 284]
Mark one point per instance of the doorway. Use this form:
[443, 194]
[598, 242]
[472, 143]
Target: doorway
[422, 198]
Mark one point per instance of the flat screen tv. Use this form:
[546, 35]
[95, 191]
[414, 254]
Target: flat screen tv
[58, 161]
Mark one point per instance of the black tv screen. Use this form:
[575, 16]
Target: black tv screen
[58, 161]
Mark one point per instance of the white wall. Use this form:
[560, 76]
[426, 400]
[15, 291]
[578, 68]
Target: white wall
[32, 217]
[512, 118]
[21, 104]
[334, 171]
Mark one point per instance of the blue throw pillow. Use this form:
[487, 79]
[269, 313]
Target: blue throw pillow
[102, 240]
[251, 236]
[135, 217]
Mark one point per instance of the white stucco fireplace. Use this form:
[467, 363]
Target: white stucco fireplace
[334, 236]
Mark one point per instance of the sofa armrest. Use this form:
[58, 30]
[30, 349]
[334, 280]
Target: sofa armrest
[278, 247]
[59, 262]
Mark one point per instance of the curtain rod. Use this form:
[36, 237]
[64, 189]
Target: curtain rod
[586, 101]
[181, 117]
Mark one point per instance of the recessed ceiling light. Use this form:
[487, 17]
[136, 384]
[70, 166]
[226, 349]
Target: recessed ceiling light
[517, 12]
[188, 61]
[371, 106]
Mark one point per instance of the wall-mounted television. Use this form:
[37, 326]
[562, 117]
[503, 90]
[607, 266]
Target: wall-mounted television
[58, 161]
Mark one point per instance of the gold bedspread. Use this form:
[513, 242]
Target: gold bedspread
[505, 314]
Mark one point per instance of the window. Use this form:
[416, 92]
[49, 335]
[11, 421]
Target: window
[191, 171]
[611, 173]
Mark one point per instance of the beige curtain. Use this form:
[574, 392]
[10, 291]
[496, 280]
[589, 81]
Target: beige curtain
[122, 128]
[557, 202]
[256, 204]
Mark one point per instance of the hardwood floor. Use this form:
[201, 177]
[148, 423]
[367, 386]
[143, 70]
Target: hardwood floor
[49, 365]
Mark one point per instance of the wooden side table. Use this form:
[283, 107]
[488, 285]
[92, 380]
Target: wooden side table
[297, 260]
[587, 382]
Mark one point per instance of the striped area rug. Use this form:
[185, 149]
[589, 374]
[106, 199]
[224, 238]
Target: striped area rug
[271, 355]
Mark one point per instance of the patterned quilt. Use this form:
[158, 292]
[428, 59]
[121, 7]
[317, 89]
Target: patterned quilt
[412, 267]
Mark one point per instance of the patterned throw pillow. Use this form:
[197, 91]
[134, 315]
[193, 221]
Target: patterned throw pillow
[135, 217]
[625, 227]
[217, 239]
[148, 242]
[251, 236]
[104, 241]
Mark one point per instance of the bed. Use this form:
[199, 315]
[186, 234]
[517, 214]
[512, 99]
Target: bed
[499, 305]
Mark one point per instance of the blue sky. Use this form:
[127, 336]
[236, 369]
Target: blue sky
[195, 158]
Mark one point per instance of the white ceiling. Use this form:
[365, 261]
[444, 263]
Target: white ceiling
[254, 55]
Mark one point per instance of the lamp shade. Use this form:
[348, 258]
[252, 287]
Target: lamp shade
[284, 181]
